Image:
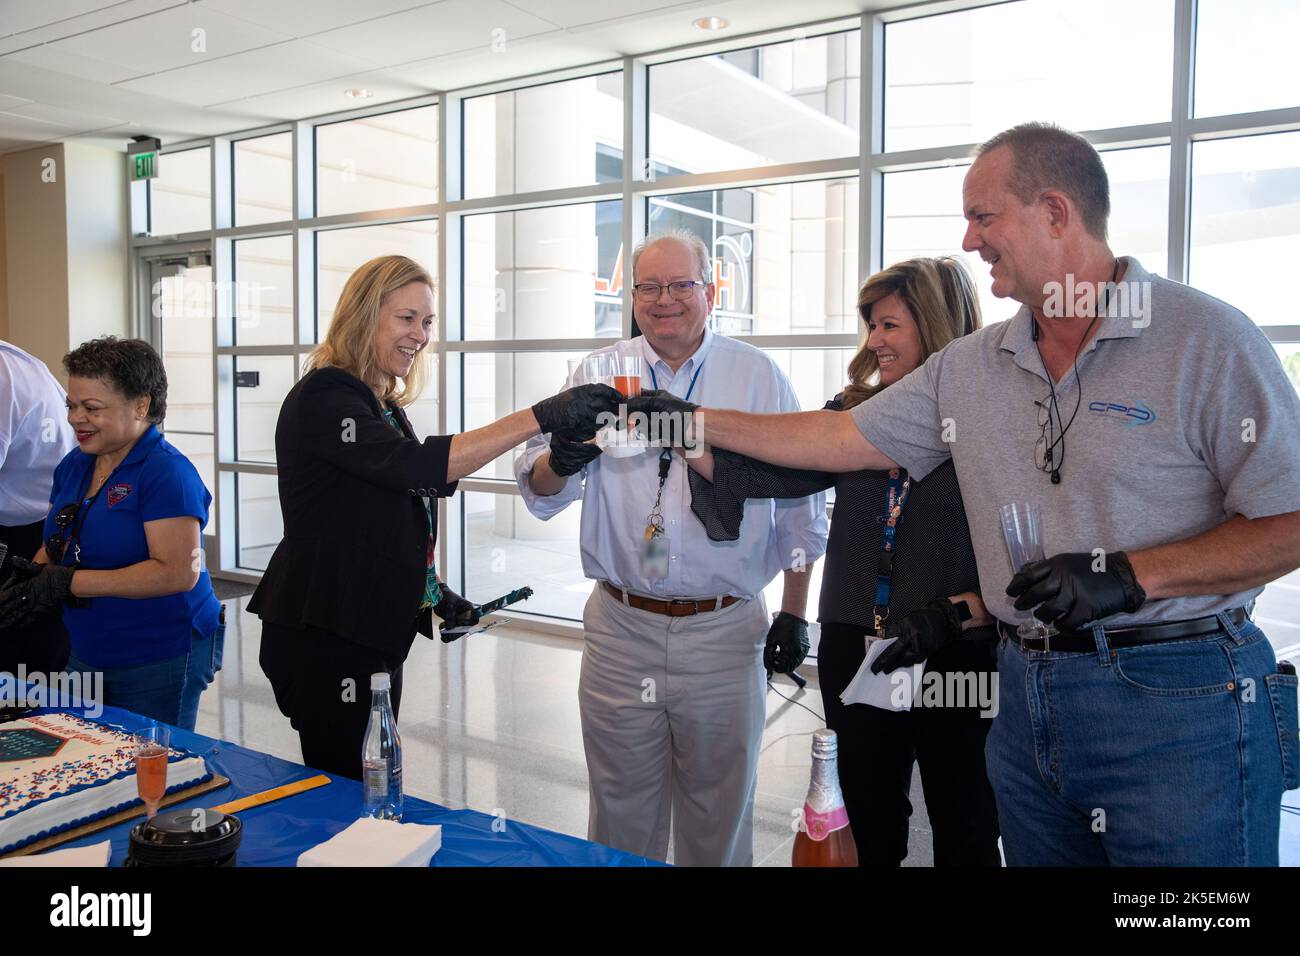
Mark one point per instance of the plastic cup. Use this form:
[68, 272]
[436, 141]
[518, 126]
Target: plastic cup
[597, 369]
[627, 375]
[1022, 526]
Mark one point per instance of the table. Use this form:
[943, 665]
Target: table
[276, 833]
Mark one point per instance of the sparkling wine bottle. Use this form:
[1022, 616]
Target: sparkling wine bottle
[825, 838]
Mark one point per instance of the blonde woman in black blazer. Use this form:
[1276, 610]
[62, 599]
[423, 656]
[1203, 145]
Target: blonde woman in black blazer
[354, 577]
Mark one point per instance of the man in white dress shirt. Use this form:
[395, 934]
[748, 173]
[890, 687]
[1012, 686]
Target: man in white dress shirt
[34, 438]
[672, 693]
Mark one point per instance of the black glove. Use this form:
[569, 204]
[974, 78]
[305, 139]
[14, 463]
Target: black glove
[787, 644]
[920, 635]
[1072, 594]
[455, 611]
[652, 401]
[575, 410]
[34, 590]
[20, 570]
[568, 456]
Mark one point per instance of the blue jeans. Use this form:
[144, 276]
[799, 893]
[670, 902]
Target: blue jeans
[166, 690]
[1167, 754]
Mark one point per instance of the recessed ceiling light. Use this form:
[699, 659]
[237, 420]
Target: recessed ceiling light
[358, 94]
[712, 23]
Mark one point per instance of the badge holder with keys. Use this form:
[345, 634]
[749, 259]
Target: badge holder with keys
[656, 547]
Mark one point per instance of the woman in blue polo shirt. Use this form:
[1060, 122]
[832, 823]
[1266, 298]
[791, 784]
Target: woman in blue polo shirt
[122, 556]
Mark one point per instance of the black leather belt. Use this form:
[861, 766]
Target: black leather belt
[1082, 641]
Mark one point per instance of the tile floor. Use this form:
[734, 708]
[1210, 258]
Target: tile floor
[492, 724]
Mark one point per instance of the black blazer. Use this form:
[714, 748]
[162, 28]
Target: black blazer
[352, 560]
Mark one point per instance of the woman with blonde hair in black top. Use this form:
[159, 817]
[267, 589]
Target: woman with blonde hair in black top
[354, 577]
[912, 578]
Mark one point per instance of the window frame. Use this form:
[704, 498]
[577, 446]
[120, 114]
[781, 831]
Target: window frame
[638, 184]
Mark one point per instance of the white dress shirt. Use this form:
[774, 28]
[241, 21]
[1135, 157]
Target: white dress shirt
[34, 436]
[618, 493]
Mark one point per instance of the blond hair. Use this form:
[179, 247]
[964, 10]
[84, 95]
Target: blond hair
[350, 342]
[942, 299]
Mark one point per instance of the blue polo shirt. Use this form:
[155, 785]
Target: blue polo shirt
[153, 482]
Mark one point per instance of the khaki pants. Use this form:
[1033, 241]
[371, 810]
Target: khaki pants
[672, 718]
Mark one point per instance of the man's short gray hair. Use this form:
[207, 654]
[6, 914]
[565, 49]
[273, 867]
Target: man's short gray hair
[1045, 156]
[686, 238]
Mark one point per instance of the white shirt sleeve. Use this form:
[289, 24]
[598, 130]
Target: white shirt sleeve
[9, 411]
[544, 506]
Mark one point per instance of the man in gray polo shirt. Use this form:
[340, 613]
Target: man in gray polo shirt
[1155, 430]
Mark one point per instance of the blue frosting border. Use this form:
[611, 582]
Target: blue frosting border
[207, 775]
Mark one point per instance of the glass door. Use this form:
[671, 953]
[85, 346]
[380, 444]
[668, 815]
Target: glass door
[181, 325]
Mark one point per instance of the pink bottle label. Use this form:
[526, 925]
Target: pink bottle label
[821, 825]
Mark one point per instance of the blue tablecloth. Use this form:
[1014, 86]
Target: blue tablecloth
[276, 833]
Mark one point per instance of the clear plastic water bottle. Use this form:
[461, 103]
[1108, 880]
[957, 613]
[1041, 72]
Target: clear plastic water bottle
[381, 755]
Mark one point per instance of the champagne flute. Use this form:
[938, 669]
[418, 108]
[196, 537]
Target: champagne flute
[1022, 526]
[152, 745]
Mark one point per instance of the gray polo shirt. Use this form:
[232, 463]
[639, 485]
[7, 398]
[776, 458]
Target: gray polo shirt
[1183, 423]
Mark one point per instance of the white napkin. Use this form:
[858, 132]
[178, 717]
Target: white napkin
[370, 842]
[95, 855]
[620, 444]
[892, 690]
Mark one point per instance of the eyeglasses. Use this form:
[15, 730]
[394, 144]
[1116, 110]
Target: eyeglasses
[650, 291]
[1049, 450]
[57, 543]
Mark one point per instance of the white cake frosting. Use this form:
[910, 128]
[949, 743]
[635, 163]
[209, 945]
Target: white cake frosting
[58, 771]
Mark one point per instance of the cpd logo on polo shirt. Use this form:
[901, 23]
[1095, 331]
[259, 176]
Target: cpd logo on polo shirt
[1131, 415]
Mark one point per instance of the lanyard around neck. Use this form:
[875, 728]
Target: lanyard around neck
[654, 379]
[72, 544]
[666, 456]
[896, 490]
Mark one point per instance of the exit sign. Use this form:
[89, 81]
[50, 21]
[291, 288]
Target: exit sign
[144, 166]
[142, 158]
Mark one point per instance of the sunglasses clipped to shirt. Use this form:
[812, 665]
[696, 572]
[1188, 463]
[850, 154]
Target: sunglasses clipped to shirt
[65, 519]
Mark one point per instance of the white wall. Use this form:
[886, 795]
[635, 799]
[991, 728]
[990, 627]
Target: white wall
[36, 252]
[98, 302]
[64, 263]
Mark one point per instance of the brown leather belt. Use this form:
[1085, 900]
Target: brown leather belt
[677, 607]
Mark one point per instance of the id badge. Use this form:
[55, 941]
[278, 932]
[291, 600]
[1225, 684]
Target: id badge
[654, 557]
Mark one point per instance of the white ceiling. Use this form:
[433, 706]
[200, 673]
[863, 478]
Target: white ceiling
[105, 71]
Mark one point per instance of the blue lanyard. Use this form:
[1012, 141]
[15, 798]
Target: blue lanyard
[666, 456]
[654, 379]
[896, 490]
